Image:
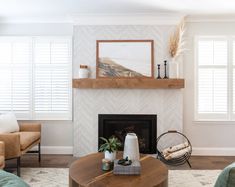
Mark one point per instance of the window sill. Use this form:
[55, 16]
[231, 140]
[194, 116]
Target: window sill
[214, 122]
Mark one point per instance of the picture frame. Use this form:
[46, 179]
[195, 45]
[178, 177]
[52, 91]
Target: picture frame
[124, 59]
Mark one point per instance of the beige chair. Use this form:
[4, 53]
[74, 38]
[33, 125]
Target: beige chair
[2, 155]
[18, 143]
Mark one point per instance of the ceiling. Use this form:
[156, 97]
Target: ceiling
[13, 10]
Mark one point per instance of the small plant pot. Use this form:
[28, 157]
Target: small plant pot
[110, 156]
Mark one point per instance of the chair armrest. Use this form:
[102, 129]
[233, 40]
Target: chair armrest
[30, 127]
[12, 144]
[2, 148]
[2, 155]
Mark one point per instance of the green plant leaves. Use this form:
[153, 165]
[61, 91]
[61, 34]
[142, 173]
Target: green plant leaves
[104, 139]
[112, 144]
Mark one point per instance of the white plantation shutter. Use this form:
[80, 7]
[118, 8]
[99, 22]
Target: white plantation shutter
[212, 79]
[233, 77]
[15, 76]
[52, 86]
[35, 77]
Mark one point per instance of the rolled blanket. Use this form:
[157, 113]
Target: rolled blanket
[177, 154]
[175, 148]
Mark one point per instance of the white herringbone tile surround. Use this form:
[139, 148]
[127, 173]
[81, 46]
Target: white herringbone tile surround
[88, 103]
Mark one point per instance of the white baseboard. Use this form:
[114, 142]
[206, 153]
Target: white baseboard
[197, 151]
[215, 151]
[63, 150]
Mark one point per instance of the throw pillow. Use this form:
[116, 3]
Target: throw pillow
[226, 177]
[11, 180]
[8, 123]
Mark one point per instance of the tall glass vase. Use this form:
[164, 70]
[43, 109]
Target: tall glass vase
[173, 69]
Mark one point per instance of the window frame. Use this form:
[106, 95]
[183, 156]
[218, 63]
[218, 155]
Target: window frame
[218, 117]
[32, 114]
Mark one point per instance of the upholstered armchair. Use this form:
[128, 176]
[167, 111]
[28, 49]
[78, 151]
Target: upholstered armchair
[2, 155]
[18, 143]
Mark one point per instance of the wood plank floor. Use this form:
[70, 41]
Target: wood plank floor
[64, 161]
[207, 162]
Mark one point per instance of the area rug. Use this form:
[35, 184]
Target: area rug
[193, 178]
[58, 177]
[46, 177]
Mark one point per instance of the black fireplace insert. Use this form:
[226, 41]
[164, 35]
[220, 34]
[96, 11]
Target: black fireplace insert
[118, 125]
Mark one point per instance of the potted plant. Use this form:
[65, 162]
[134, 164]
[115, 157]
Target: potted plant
[110, 147]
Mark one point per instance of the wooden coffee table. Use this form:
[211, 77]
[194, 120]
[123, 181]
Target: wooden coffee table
[87, 172]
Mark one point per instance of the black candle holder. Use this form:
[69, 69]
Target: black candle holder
[158, 71]
[165, 64]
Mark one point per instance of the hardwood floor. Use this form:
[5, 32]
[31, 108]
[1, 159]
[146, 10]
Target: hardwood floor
[64, 161]
[207, 162]
[50, 161]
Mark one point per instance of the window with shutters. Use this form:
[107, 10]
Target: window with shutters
[35, 77]
[215, 78]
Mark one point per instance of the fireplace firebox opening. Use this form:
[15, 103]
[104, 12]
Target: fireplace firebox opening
[118, 125]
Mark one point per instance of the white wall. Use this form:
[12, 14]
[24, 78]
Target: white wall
[34, 29]
[57, 136]
[207, 138]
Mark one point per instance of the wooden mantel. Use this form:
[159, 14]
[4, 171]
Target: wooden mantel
[132, 83]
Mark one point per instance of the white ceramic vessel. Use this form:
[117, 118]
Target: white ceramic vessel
[131, 147]
[83, 73]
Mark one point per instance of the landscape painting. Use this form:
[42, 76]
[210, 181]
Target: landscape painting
[124, 58]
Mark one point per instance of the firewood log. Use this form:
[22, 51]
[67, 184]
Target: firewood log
[174, 148]
[178, 153]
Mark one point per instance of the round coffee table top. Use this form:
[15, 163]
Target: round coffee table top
[86, 171]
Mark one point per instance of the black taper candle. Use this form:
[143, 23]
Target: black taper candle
[165, 64]
[158, 71]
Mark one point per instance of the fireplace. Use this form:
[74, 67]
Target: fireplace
[119, 125]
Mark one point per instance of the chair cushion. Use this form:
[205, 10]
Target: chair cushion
[226, 177]
[8, 123]
[27, 138]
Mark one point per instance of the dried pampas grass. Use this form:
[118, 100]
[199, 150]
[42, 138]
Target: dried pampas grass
[176, 42]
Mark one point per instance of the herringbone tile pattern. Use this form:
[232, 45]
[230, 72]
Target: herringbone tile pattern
[167, 104]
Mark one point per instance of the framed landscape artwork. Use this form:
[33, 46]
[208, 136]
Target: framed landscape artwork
[124, 59]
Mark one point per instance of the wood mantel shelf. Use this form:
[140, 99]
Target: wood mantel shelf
[128, 83]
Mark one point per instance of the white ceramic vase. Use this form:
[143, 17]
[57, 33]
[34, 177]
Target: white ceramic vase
[131, 147]
[173, 69]
[110, 156]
